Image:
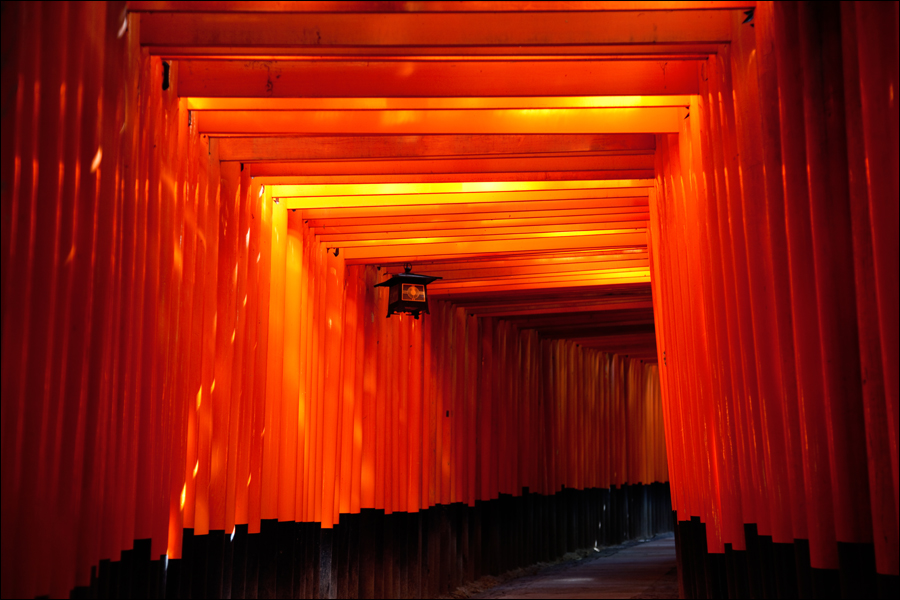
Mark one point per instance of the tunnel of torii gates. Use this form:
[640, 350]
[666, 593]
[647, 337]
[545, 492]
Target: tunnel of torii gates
[668, 241]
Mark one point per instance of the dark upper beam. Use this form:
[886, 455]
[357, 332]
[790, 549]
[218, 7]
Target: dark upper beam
[324, 30]
[371, 6]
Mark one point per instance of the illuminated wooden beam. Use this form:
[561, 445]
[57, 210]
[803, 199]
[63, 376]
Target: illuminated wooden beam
[520, 234]
[430, 202]
[555, 162]
[454, 293]
[425, 103]
[305, 148]
[510, 260]
[276, 173]
[599, 199]
[462, 249]
[475, 225]
[513, 310]
[303, 197]
[419, 122]
[339, 193]
[661, 52]
[543, 280]
[609, 167]
[264, 6]
[351, 239]
[628, 206]
[529, 268]
[612, 292]
[323, 30]
[368, 78]
[593, 277]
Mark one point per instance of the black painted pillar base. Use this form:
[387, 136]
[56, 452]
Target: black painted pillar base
[251, 581]
[771, 570]
[327, 573]
[888, 586]
[268, 557]
[367, 552]
[857, 567]
[406, 555]
[239, 562]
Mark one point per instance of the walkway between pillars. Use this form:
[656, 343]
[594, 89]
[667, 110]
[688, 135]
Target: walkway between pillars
[642, 570]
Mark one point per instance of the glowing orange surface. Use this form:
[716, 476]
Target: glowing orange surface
[486, 121]
[299, 196]
[393, 103]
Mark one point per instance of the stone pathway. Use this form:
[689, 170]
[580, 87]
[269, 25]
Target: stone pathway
[645, 570]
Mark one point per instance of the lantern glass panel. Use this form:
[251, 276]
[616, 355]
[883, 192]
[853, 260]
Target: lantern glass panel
[413, 292]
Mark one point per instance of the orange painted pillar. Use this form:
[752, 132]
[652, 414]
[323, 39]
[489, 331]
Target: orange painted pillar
[878, 448]
[380, 393]
[770, 128]
[182, 398]
[817, 480]
[333, 310]
[321, 399]
[486, 399]
[229, 220]
[204, 397]
[735, 398]
[832, 248]
[721, 417]
[290, 372]
[258, 441]
[429, 415]
[348, 388]
[304, 409]
[751, 417]
[400, 385]
[359, 273]
[369, 391]
[876, 28]
[269, 502]
[234, 478]
[247, 334]
[414, 416]
[761, 248]
[311, 464]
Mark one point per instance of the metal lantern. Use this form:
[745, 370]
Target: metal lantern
[407, 293]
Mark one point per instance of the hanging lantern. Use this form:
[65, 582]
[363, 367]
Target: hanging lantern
[407, 292]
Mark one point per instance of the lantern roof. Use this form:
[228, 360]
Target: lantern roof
[407, 277]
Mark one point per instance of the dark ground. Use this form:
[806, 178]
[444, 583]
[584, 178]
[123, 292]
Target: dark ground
[632, 570]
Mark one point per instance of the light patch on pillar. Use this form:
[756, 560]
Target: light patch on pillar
[95, 164]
